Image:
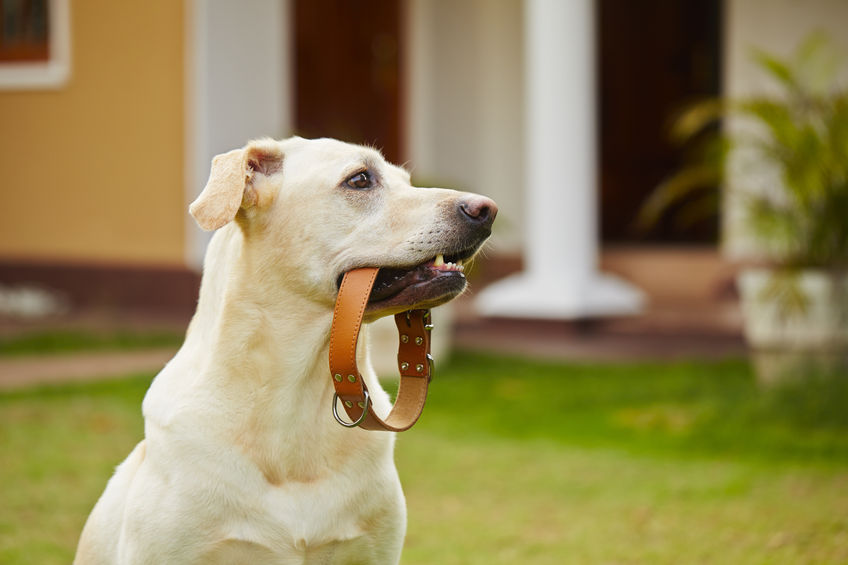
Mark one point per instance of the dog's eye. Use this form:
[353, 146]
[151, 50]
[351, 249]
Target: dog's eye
[360, 181]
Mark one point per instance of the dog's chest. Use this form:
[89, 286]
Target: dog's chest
[293, 524]
[236, 551]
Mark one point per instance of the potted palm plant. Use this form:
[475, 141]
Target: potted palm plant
[782, 160]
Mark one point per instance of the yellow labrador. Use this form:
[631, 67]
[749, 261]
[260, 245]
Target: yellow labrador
[242, 461]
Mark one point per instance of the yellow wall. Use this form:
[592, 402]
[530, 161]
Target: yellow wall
[94, 171]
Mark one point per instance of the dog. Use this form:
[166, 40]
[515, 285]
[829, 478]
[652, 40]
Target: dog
[242, 461]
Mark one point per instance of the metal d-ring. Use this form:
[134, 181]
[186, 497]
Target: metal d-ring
[361, 418]
[432, 363]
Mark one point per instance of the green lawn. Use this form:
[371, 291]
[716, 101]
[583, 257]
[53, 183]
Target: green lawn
[520, 462]
[68, 341]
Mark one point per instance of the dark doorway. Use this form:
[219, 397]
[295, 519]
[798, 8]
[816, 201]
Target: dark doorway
[347, 72]
[655, 57]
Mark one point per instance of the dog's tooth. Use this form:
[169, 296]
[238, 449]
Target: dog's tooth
[440, 260]
[460, 268]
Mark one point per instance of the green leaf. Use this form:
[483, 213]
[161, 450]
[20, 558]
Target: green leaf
[695, 118]
[777, 68]
[676, 188]
[796, 140]
[784, 290]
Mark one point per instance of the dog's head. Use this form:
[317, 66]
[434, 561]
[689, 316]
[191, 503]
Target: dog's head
[311, 210]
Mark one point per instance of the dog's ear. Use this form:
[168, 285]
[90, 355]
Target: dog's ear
[233, 182]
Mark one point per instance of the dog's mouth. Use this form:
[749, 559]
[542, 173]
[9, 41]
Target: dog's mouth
[426, 285]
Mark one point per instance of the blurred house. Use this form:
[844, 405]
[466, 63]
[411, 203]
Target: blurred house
[112, 112]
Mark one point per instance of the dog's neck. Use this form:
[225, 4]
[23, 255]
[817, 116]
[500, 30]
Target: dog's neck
[265, 363]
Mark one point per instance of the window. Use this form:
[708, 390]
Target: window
[34, 43]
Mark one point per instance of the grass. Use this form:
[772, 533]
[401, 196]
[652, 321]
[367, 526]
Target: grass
[520, 462]
[58, 446]
[712, 409]
[67, 341]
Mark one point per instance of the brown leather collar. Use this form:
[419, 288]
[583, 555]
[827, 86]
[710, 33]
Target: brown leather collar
[414, 359]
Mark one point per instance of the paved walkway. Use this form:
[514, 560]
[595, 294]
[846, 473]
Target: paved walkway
[691, 315]
[565, 342]
[559, 341]
[687, 330]
[20, 372]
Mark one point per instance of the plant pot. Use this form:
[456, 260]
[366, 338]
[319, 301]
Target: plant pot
[804, 334]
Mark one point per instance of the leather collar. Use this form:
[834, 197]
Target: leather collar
[414, 360]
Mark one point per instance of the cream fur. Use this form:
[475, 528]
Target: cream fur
[242, 461]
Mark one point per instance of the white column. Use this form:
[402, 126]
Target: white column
[561, 278]
[238, 87]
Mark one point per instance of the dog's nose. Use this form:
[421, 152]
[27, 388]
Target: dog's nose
[478, 210]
